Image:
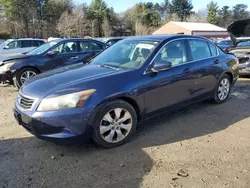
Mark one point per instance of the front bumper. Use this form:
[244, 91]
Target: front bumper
[56, 126]
[6, 77]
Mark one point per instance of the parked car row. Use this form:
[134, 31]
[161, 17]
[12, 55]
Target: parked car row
[130, 81]
[51, 55]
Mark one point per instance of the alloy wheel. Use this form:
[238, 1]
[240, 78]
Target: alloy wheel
[223, 89]
[27, 75]
[116, 125]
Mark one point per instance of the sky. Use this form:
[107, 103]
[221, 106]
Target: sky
[122, 5]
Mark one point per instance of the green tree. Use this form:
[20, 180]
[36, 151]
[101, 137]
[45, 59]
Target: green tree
[212, 12]
[240, 12]
[182, 8]
[225, 16]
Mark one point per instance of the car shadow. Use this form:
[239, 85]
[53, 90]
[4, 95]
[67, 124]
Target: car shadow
[29, 162]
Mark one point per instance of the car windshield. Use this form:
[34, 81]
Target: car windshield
[126, 54]
[43, 48]
[246, 43]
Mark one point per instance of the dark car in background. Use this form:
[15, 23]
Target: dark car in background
[240, 34]
[51, 55]
[114, 40]
[225, 44]
[132, 80]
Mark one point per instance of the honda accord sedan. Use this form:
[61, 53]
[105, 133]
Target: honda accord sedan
[134, 79]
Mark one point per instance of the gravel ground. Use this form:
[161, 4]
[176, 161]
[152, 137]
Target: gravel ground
[201, 146]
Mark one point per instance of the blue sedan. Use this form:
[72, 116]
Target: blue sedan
[136, 78]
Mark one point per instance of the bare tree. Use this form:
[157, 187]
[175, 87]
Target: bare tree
[107, 30]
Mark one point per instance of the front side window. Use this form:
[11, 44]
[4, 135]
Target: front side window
[199, 49]
[174, 52]
[126, 54]
[13, 45]
[67, 47]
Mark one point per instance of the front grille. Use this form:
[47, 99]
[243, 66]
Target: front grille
[25, 102]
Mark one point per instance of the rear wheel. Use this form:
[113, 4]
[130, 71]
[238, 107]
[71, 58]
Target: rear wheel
[223, 89]
[24, 74]
[114, 124]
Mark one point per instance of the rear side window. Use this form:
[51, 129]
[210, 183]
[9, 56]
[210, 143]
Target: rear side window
[199, 49]
[26, 43]
[36, 43]
[213, 49]
[86, 46]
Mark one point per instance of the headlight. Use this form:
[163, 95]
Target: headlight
[65, 101]
[6, 67]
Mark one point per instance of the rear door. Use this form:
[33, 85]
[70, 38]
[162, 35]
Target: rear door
[27, 45]
[204, 68]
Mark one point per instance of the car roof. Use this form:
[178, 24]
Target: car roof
[164, 37]
[73, 39]
[27, 39]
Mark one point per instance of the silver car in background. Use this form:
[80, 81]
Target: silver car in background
[19, 46]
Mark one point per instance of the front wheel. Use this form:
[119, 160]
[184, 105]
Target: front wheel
[223, 90]
[24, 74]
[114, 124]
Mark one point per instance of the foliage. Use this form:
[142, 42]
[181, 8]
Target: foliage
[182, 8]
[212, 12]
[46, 18]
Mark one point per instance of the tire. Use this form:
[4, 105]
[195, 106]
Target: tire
[22, 72]
[218, 99]
[105, 133]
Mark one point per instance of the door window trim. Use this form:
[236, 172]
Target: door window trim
[188, 62]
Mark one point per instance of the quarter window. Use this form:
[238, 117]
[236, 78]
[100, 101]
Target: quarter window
[175, 52]
[199, 49]
[213, 49]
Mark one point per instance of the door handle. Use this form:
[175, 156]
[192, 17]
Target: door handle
[217, 61]
[75, 57]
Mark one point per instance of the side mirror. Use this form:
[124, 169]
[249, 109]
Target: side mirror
[52, 53]
[6, 47]
[161, 66]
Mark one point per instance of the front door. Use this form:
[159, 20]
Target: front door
[169, 87]
[65, 54]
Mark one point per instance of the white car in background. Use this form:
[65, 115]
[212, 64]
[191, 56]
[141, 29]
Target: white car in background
[19, 46]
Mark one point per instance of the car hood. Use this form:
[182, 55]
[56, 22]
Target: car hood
[5, 59]
[240, 28]
[65, 79]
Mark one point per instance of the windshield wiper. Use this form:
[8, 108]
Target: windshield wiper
[108, 66]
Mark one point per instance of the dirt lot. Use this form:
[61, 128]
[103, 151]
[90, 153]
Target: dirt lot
[210, 143]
